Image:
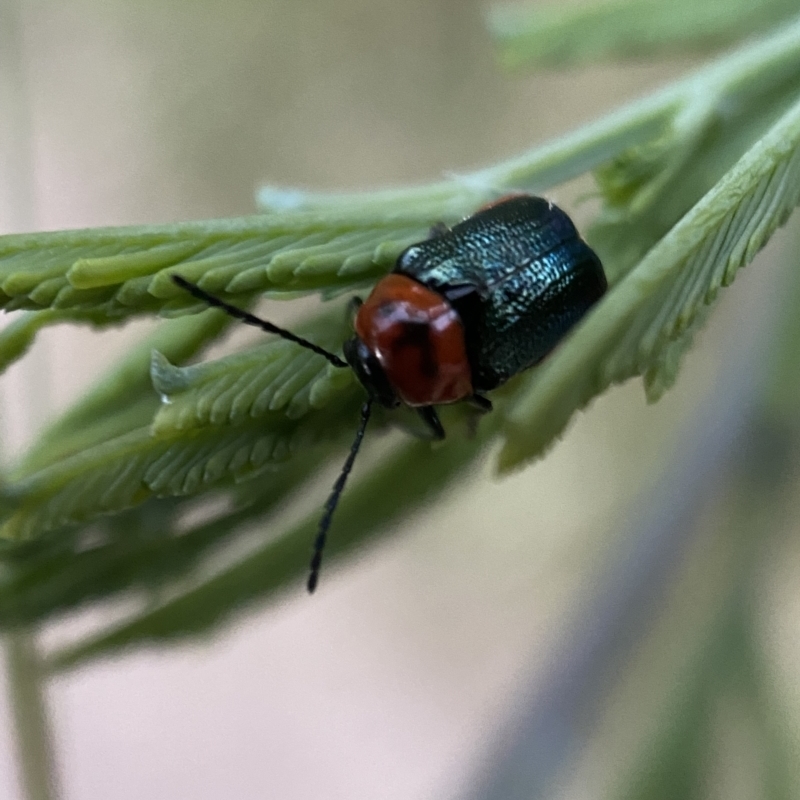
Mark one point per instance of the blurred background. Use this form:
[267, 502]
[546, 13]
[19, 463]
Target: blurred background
[422, 664]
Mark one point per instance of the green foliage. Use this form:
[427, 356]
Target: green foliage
[694, 179]
[124, 400]
[417, 475]
[654, 307]
[555, 34]
[119, 272]
[276, 376]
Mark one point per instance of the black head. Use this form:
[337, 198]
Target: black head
[369, 371]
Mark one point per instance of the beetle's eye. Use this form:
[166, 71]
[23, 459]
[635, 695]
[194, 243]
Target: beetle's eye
[369, 371]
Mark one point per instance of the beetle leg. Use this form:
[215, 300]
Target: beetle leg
[479, 406]
[431, 419]
[480, 403]
[438, 229]
[353, 304]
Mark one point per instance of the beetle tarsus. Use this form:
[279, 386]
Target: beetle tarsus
[431, 419]
[480, 403]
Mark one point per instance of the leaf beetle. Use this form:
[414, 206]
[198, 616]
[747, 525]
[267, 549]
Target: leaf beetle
[460, 314]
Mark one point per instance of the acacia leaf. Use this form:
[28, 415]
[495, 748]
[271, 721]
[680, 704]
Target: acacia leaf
[267, 412]
[116, 474]
[416, 474]
[635, 328]
[123, 400]
[123, 271]
[275, 376]
[561, 34]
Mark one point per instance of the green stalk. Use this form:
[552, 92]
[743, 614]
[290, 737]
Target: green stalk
[26, 682]
[24, 675]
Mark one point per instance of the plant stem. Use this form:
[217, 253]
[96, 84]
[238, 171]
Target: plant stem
[25, 677]
[26, 683]
[723, 86]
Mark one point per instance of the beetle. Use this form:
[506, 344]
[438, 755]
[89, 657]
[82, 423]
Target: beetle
[461, 313]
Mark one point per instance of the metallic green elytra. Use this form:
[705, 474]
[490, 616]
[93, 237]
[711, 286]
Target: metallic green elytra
[519, 276]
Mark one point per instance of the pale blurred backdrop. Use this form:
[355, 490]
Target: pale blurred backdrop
[392, 681]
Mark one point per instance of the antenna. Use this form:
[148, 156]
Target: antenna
[330, 506]
[251, 319]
